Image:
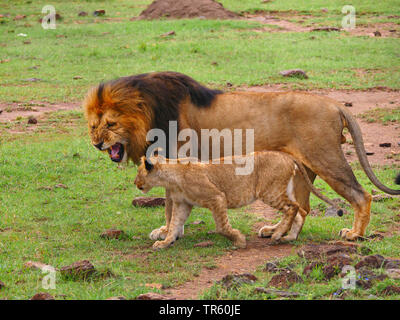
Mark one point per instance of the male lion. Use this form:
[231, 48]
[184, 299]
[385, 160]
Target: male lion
[309, 127]
[217, 187]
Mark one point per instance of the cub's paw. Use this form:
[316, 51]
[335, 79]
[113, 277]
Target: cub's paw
[161, 245]
[266, 232]
[288, 238]
[159, 234]
[240, 241]
[348, 234]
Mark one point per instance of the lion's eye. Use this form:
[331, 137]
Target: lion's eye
[110, 124]
[93, 127]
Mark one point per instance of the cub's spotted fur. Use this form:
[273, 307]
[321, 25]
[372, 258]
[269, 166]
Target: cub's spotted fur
[217, 188]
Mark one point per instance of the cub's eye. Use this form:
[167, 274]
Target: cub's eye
[110, 124]
[93, 127]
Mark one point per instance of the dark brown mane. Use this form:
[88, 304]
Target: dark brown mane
[161, 92]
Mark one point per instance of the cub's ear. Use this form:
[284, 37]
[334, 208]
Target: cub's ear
[148, 165]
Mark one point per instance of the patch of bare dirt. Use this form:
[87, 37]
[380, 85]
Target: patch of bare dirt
[283, 25]
[281, 20]
[13, 111]
[257, 252]
[178, 9]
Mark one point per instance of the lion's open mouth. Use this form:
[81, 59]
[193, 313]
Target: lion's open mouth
[116, 152]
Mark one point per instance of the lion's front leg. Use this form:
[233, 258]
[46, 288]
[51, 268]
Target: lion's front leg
[162, 232]
[180, 213]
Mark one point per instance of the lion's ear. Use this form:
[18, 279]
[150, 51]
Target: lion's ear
[148, 165]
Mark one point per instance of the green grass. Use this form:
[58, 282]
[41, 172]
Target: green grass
[381, 115]
[100, 49]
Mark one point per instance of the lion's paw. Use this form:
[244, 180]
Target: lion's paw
[240, 241]
[266, 232]
[348, 234]
[161, 245]
[159, 234]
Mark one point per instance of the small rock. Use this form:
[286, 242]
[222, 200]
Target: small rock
[376, 235]
[271, 267]
[82, 14]
[284, 279]
[333, 212]
[112, 234]
[204, 244]
[228, 84]
[274, 292]
[60, 185]
[391, 290]
[98, 13]
[153, 296]
[32, 79]
[385, 145]
[148, 202]
[27, 42]
[297, 73]
[77, 77]
[391, 264]
[328, 29]
[393, 273]
[42, 296]
[373, 262]
[167, 34]
[116, 298]
[214, 63]
[364, 284]
[32, 120]
[2, 285]
[19, 17]
[324, 10]
[233, 281]
[314, 251]
[377, 33]
[348, 104]
[80, 269]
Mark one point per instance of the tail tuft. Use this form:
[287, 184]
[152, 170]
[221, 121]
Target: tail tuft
[340, 212]
[397, 180]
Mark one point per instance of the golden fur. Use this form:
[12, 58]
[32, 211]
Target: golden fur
[306, 126]
[217, 187]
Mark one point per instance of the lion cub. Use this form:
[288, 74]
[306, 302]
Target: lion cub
[217, 188]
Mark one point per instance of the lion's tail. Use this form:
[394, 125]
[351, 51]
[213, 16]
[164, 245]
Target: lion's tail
[316, 191]
[355, 132]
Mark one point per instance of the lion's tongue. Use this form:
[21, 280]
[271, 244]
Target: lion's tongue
[115, 151]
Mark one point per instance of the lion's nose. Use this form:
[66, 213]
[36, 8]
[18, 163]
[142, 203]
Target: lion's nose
[99, 145]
